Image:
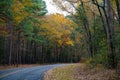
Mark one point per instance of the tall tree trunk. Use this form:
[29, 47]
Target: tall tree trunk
[118, 10]
[9, 42]
[87, 30]
[109, 28]
[110, 32]
[35, 52]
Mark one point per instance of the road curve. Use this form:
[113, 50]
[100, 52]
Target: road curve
[31, 73]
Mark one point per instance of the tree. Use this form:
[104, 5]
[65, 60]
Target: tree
[86, 12]
[13, 13]
[59, 31]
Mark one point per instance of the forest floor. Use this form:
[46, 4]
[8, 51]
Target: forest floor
[18, 66]
[81, 72]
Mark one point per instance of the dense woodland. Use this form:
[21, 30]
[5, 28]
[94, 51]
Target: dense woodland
[90, 31]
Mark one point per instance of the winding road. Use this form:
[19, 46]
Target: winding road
[31, 73]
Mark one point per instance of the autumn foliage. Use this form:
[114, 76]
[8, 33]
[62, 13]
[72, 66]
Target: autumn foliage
[58, 29]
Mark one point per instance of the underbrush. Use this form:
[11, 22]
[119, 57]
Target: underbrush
[101, 67]
[81, 72]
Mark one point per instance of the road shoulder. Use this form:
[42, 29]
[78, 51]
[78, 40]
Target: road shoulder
[80, 72]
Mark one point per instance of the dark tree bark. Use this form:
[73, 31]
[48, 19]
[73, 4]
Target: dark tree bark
[9, 42]
[118, 9]
[109, 28]
[110, 32]
[88, 33]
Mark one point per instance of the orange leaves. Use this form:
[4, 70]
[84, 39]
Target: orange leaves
[17, 7]
[3, 30]
[70, 42]
[66, 40]
[27, 3]
[18, 10]
[58, 29]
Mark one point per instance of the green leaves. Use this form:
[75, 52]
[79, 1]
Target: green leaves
[5, 10]
[39, 8]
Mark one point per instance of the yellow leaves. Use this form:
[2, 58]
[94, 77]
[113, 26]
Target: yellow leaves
[18, 10]
[58, 29]
[59, 42]
[3, 30]
[17, 7]
[67, 41]
[27, 3]
[70, 43]
[17, 19]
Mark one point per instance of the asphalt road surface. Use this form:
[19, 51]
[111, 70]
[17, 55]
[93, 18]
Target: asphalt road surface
[31, 73]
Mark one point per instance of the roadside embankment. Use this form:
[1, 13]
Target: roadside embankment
[80, 72]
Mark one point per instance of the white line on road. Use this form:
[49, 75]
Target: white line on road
[4, 75]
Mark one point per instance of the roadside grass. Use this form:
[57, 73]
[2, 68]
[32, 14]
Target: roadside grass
[81, 72]
[61, 73]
